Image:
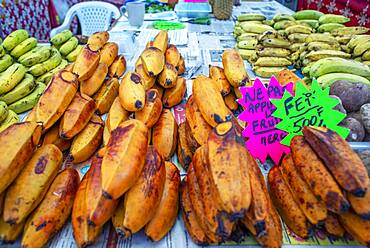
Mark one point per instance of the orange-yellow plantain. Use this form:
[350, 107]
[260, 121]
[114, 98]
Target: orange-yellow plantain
[152, 110]
[116, 115]
[174, 96]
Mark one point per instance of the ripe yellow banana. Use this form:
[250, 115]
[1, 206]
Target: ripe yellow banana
[132, 92]
[86, 62]
[118, 67]
[98, 39]
[106, 95]
[172, 55]
[234, 68]
[10, 233]
[116, 115]
[152, 110]
[167, 78]
[108, 53]
[153, 61]
[174, 96]
[52, 137]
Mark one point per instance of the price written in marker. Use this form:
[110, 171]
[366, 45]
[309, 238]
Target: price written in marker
[309, 107]
[263, 138]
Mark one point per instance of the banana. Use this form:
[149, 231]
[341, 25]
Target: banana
[361, 48]
[348, 170]
[350, 31]
[40, 171]
[184, 152]
[106, 95]
[247, 44]
[165, 134]
[343, 40]
[181, 66]
[229, 159]
[321, 38]
[174, 96]
[116, 115]
[168, 77]
[333, 226]
[11, 77]
[328, 79]
[52, 137]
[118, 67]
[313, 209]
[276, 43]
[29, 101]
[295, 47]
[153, 61]
[152, 179]
[246, 36]
[329, 27]
[234, 68]
[14, 39]
[69, 67]
[124, 155]
[5, 62]
[361, 205]
[148, 81]
[46, 221]
[357, 227]
[98, 39]
[10, 233]
[366, 55]
[10, 119]
[358, 39]
[3, 111]
[317, 45]
[251, 17]
[331, 18]
[230, 101]
[86, 63]
[218, 75]
[35, 56]
[282, 25]
[312, 23]
[172, 55]
[366, 63]
[26, 86]
[92, 84]
[56, 98]
[88, 140]
[314, 172]
[307, 14]
[2, 51]
[60, 38]
[18, 142]
[132, 92]
[316, 55]
[72, 56]
[246, 53]
[289, 210]
[255, 28]
[166, 213]
[152, 109]
[160, 41]
[267, 72]
[23, 47]
[273, 52]
[298, 29]
[45, 78]
[198, 126]
[272, 61]
[42, 68]
[338, 65]
[281, 17]
[297, 37]
[68, 46]
[108, 53]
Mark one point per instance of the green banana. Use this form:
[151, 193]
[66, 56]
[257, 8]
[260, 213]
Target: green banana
[29, 101]
[329, 27]
[268, 22]
[366, 55]
[247, 44]
[358, 59]
[23, 47]
[366, 63]
[312, 23]
[328, 79]
[245, 53]
[343, 40]
[71, 57]
[272, 61]
[350, 31]
[307, 15]
[294, 56]
[25, 87]
[361, 48]
[14, 39]
[246, 36]
[296, 46]
[306, 70]
[281, 17]
[331, 65]
[357, 39]
[297, 38]
[331, 18]
[255, 28]
[238, 31]
[60, 38]
[317, 45]
[47, 65]
[251, 17]
[271, 35]
[5, 62]
[267, 72]
[11, 77]
[327, 38]
[298, 29]
[276, 43]
[3, 111]
[69, 46]
[11, 118]
[2, 51]
[273, 52]
[34, 57]
[283, 24]
[316, 55]
[45, 78]
[345, 48]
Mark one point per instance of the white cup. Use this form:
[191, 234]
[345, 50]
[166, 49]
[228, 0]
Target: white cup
[135, 13]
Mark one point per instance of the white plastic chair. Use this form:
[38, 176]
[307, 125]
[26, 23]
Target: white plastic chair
[94, 16]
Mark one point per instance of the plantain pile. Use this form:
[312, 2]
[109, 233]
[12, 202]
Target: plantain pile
[67, 45]
[322, 182]
[224, 192]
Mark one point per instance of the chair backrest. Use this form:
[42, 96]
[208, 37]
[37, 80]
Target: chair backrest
[93, 16]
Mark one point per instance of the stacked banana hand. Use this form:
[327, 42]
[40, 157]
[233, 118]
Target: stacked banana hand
[67, 45]
[359, 47]
[322, 181]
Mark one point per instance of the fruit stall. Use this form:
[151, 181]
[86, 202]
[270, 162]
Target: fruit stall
[188, 132]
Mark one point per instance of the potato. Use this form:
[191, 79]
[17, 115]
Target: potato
[353, 95]
[357, 131]
[355, 115]
[365, 116]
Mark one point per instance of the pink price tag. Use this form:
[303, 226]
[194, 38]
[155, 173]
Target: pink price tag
[263, 138]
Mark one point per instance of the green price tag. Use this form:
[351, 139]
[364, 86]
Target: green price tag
[164, 25]
[309, 107]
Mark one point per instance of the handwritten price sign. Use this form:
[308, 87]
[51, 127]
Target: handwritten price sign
[263, 138]
[309, 107]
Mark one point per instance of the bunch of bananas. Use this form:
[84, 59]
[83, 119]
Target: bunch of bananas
[309, 187]
[359, 47]
[7, 116]
[67, 45]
